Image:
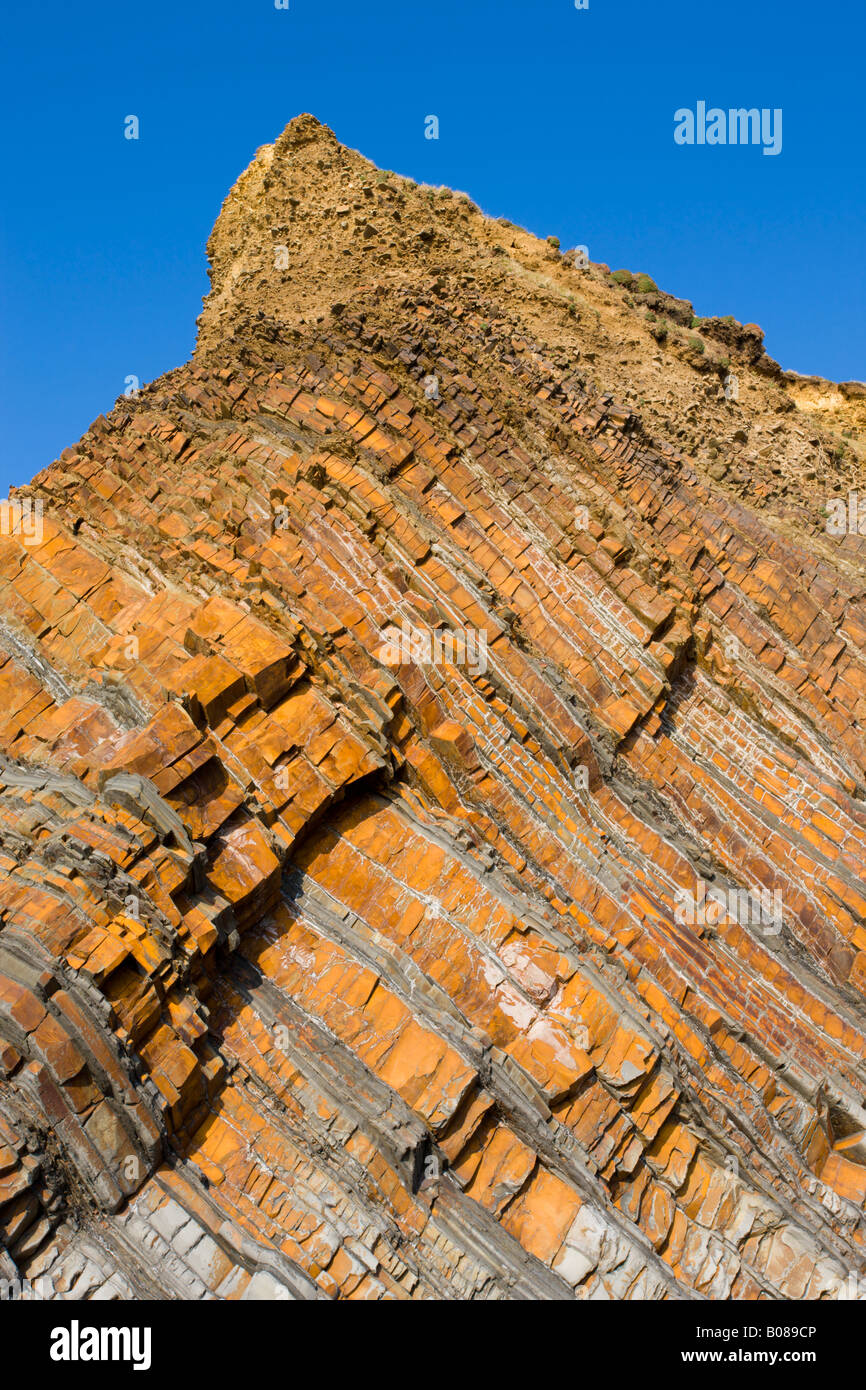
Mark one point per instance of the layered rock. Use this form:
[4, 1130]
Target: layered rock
[432, 810]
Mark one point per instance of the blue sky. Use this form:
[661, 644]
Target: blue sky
[560, 119]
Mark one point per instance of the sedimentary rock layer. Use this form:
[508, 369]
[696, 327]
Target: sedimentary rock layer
[401, 704]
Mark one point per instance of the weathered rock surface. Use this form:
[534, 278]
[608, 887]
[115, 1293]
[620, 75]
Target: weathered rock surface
[338, 964]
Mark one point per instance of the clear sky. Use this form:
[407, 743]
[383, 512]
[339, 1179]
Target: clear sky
[558, 118]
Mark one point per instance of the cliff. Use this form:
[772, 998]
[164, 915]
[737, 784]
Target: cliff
[432, 799]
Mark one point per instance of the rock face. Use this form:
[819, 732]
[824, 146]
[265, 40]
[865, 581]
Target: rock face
[432, 819]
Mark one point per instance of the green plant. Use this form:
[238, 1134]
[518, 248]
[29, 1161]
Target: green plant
[697, 344]
[645, 284]
[696, 322]
[554, 242]
[622, 277]
[511, 412]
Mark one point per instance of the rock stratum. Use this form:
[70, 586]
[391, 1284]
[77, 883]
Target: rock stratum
[380, 687]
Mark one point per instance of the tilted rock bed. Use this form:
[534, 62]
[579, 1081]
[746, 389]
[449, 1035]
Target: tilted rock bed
[330, 971]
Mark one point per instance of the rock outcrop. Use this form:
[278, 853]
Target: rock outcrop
[432, 796]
